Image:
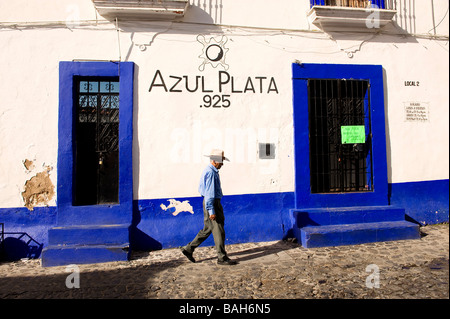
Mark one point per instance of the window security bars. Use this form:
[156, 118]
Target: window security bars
[382, 4]
[336, 165]
[98, 102]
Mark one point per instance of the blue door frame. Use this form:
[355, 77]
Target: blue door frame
[121, 213]
[372, 73]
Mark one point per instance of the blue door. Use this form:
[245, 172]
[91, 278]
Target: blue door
[95, 139]
[339, 135]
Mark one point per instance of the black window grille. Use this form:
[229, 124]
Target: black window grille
[337, 165]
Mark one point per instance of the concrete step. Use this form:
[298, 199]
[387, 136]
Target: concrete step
[346, 215]
[356, 233]
[89, 235]
[321, 227]
[85, 244]
[58, 255]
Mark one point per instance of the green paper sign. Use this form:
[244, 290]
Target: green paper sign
[353, 134]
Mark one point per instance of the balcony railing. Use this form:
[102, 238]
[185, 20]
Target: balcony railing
[381, 4]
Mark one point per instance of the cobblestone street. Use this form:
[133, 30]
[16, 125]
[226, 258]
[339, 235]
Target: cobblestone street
[266, 270]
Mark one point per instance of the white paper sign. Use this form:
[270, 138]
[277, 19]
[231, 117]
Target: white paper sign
[416, 112]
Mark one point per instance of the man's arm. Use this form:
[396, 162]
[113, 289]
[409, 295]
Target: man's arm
[209, 205]
[209, 194]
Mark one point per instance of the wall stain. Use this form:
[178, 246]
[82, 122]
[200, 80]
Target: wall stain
[28, 164]
[39, 189]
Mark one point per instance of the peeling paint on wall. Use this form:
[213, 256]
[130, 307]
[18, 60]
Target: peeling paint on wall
[39, 189]
[28, 164]
[179, 207]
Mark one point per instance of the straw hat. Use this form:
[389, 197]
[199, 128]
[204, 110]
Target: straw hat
[217, 156]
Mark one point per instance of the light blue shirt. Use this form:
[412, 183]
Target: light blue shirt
[210, 187]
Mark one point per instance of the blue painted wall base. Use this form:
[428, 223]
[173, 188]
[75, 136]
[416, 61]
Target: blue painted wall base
[249, 218]
[425, 202]
[26, 232]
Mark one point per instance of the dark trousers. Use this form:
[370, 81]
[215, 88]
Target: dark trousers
[216, 227]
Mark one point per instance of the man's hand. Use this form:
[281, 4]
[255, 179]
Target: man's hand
[212, 217]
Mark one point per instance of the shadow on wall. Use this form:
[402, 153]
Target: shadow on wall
[200, 18]
[209, 11]
[18, 245]
[139, 240]
[436, 17]
[406, 15]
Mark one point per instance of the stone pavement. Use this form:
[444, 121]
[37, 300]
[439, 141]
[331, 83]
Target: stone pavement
[266, 270]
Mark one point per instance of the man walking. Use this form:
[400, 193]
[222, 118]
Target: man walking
[214, 219]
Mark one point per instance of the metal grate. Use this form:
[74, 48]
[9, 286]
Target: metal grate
[336, 165]
[98, 102]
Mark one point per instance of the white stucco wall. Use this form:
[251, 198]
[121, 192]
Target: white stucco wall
[172, 131]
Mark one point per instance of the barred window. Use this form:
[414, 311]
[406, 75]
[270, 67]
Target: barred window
[337, 165]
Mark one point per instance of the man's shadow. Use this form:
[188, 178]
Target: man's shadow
[258, 252]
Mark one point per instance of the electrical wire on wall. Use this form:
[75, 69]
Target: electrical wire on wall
[97, 25]
[251, 33]
[439, 23]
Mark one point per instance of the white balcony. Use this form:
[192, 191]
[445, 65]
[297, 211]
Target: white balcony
[342, 18]
[141, 9]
